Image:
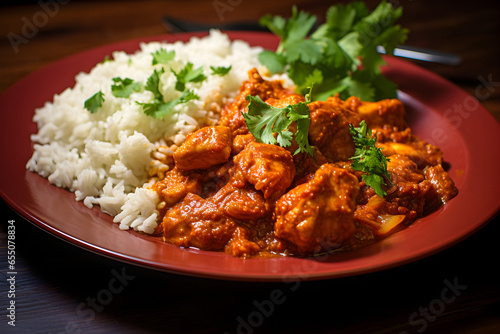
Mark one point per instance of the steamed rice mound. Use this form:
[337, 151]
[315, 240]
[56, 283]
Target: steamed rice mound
[106, 157]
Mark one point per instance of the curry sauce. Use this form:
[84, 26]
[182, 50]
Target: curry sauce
[227, 192]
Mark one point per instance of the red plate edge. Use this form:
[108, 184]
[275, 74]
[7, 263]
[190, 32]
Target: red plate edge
[416, 82]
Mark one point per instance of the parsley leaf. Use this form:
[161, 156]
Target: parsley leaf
[124, 87]
[188, 74]
[341, 55]
[265, 121]
[94, 102]
[220, 70]
[369, 158]
[163, 56]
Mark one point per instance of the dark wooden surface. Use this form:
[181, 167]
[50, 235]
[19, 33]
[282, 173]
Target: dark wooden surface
[64, 289]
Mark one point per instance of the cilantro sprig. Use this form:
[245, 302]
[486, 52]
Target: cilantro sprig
[188, 74]
[220, 70]
[124, 87]
[157, 108]
[94, 102]
[162, 56]
[265, 121]
[369, 158]
[340, 56]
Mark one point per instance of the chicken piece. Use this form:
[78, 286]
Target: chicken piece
[420, 152]
[268, 167]
[380, 216]
[318, 215]
[393, 134]
[208, 224]
[285, 100]
[329, 130]
[408, 187]
[393, 141]
[306, 166]
[204, 148]
[196, 222]
[404, 201]
[240, 245]
[378, 114]
[407, 198]
[241, 141]
[441, 182]
[255, 86]
[401, 167]
[242, 203]
[176, 185]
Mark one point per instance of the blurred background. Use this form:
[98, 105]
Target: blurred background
[470, 29]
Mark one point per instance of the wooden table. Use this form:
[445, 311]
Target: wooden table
[63, 289]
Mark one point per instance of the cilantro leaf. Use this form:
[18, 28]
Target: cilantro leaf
[360, 88]
[260, 119]
[299, 26]
[305, 50]
[265, 121]
[276, 24]
[94, 102]
[369, 159]
[158, 109]
[341, 55]
[124, 87]
[153, 84]
[352, 49]
[301, 115]
[340, 19]
[274, 62]
[291, 31]
[162, 56]
[220, 70]
[391, 37]
[188, 74]
[383, 16]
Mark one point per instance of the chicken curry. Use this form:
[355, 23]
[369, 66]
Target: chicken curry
[228, 192]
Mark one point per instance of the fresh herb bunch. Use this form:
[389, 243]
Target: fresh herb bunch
[340, 56]
[369, 158]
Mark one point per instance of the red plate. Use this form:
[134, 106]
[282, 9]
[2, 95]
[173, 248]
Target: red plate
[438, 112]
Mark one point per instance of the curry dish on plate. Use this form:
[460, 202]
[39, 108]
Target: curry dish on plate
[228, 192]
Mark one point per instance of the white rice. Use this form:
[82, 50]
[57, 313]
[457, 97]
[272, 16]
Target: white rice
[104, 157]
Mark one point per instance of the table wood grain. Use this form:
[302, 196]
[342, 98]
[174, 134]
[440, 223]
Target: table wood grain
[61, 288]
